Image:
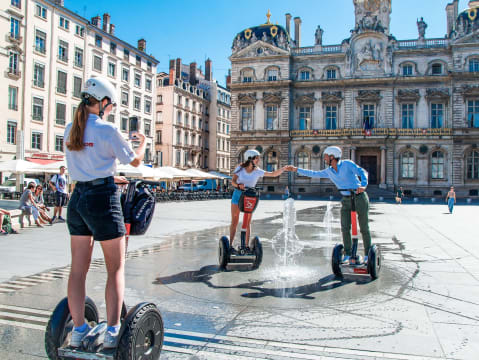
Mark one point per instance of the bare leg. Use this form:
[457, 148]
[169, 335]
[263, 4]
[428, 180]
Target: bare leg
[81, 249]
[248, 229]
[114, 253]
[234, 222]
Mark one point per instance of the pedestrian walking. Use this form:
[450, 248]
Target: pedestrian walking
[58, 183]
[399, 195]
[286, 192]
[94, 211]
[451, 199]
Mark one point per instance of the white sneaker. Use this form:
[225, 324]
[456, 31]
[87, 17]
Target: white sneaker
[111, 340]
[78, 336]
[345, 259]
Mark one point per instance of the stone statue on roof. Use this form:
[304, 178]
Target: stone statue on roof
[421, 28]
[318, 36]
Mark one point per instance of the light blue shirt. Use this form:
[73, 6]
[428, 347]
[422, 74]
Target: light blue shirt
[103, 146]
[345, 178]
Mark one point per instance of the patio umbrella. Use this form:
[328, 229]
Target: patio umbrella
[18, 166]
[176, 173]
[198, 174]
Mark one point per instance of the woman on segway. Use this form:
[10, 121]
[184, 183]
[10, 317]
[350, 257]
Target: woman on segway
[94, 210]
[344, 174]
[246, 175]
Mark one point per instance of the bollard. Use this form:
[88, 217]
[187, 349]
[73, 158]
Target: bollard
[381, 198]
[433, 200]
[469, 200]
[331, 197]
[299, 197]
[416, 200]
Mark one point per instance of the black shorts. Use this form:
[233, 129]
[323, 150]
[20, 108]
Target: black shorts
[60, 198]
[95, 209]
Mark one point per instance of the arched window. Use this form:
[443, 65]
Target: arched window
[437, 165]
[407, 70]
[186, 138]
[436, 69]
[272, 74]
[247, 75]
[474, 65]
[407, 165]
[472, 165]
[302, 160]
[271, 161]
[331, 73]
[304, 75]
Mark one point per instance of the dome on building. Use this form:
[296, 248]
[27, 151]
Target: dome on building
[467, 21]
[269, 33]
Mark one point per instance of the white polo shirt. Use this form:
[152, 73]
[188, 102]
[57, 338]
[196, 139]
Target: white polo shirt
[103, 145]
[246, 178]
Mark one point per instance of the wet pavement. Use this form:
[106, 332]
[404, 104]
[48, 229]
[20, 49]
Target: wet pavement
[424, 304]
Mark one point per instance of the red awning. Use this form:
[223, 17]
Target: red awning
[42, 161]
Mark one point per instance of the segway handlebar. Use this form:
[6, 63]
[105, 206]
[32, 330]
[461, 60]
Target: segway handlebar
[146, 182]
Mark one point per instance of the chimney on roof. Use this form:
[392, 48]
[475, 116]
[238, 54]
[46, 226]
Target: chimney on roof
[172, 71]
[59, 2]
[208, 72]
[112, 29]
[193, 73]
[228, 79]
[96, 21]
[106, 22]
[452, 10]
[288, 23]
[297, 31]
[142, 45]
[178, 68]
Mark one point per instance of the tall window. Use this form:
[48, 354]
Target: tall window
[247, 118]
[271, 117]
[11, 132]
[304, 75]
[474, 65]
[331, 117]
[158, 137]
[473, 113]
[331, 74]
[63, 51]
[36, 140]
[186, 139]
[271, 161]
[147, 128]
[148, 106]
[98, 41]
[97, 63]
[137, 80]
[247, 76]
[124, 98]
[407, 116]
[178, 117]
[61, 114]
[111, 69]
[125, 74]
[14, 28]
[77, 85]
[62, 82]
[41, 11]
[124, 123]
[37, 109]
[39, 75]
[407, 70]
[13, 63]
[178, 157]
[472, 165]
[59, 143]
[302, 160]
[436, 69]
[159, 117]
[78, 57]
[305, 118]
[272, 75]
[64, 23]
[13, 98]
[113, 48]
[437, 165]
[437, 115]
[126, 54]
[16, 3]
[79, 30]
[40, 41]
[368, 116]
[148, 84]
[138, 60]
[136, 102]
[407, 165]
[178, 137]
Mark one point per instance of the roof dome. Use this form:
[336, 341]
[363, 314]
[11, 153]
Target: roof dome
[467, 21]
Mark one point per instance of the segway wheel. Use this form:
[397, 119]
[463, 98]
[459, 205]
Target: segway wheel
[258, 252]
[336, 260]
[143, 335]
[60, 326]
[223, 252]
[374, 262]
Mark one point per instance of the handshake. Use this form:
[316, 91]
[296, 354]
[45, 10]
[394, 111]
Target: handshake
[290, 168]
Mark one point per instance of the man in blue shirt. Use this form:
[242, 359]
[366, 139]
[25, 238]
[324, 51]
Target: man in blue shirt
[345, 174]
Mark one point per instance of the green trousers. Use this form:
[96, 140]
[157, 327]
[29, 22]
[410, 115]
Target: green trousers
[362, 208]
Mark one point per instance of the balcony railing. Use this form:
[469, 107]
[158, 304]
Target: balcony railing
[16, 38]
[40, 49]
[312, 50]
[374, 132]
[13, 73]
[428, 43]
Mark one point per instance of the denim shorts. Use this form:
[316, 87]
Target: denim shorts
[236, 197]
[95, 209]
[60, 198]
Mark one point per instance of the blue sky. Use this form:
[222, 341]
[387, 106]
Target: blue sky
[195, 30]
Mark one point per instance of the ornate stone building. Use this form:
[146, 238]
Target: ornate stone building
[405, 110]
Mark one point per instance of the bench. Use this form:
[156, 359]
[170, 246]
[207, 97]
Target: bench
[20, 214]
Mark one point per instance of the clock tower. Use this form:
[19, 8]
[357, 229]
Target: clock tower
[372, 15]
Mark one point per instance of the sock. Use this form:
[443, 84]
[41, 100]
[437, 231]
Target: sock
[113, 329]
[81, 328]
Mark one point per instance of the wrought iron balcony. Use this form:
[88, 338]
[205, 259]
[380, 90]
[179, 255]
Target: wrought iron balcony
[381, 132]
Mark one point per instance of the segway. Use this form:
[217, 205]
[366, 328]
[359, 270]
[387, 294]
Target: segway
[356, 266]
[142, 332]
[254, 254]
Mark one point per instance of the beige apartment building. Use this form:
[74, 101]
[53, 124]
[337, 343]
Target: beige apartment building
[192, 119]
[50, 56]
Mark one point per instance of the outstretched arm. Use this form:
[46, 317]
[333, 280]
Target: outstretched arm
[274, 173]
[309, 173]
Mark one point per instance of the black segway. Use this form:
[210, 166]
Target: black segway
[254, 254]
[142, 332]
[356, 266]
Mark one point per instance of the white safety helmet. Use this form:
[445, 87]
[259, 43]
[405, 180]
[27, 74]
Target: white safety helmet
[333, 150]
[99, 88]
[251, 154]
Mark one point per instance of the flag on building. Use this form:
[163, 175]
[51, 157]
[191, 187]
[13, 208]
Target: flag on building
[367, 126]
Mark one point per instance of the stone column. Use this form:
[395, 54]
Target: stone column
[353, 153]
[383, 167]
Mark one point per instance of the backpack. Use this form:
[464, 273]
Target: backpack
[7, 224]
[138, 205]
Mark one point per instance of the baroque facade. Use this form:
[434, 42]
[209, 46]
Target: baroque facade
[405, 110]
[48, 52]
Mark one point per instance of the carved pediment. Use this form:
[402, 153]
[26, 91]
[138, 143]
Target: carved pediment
[249, 98]
[437, 94]
[259, 49]
[469, 90]
[408, 95]
[331, 96]
[305, 99]
[369, 95]
[272, 97]
[124, 112]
